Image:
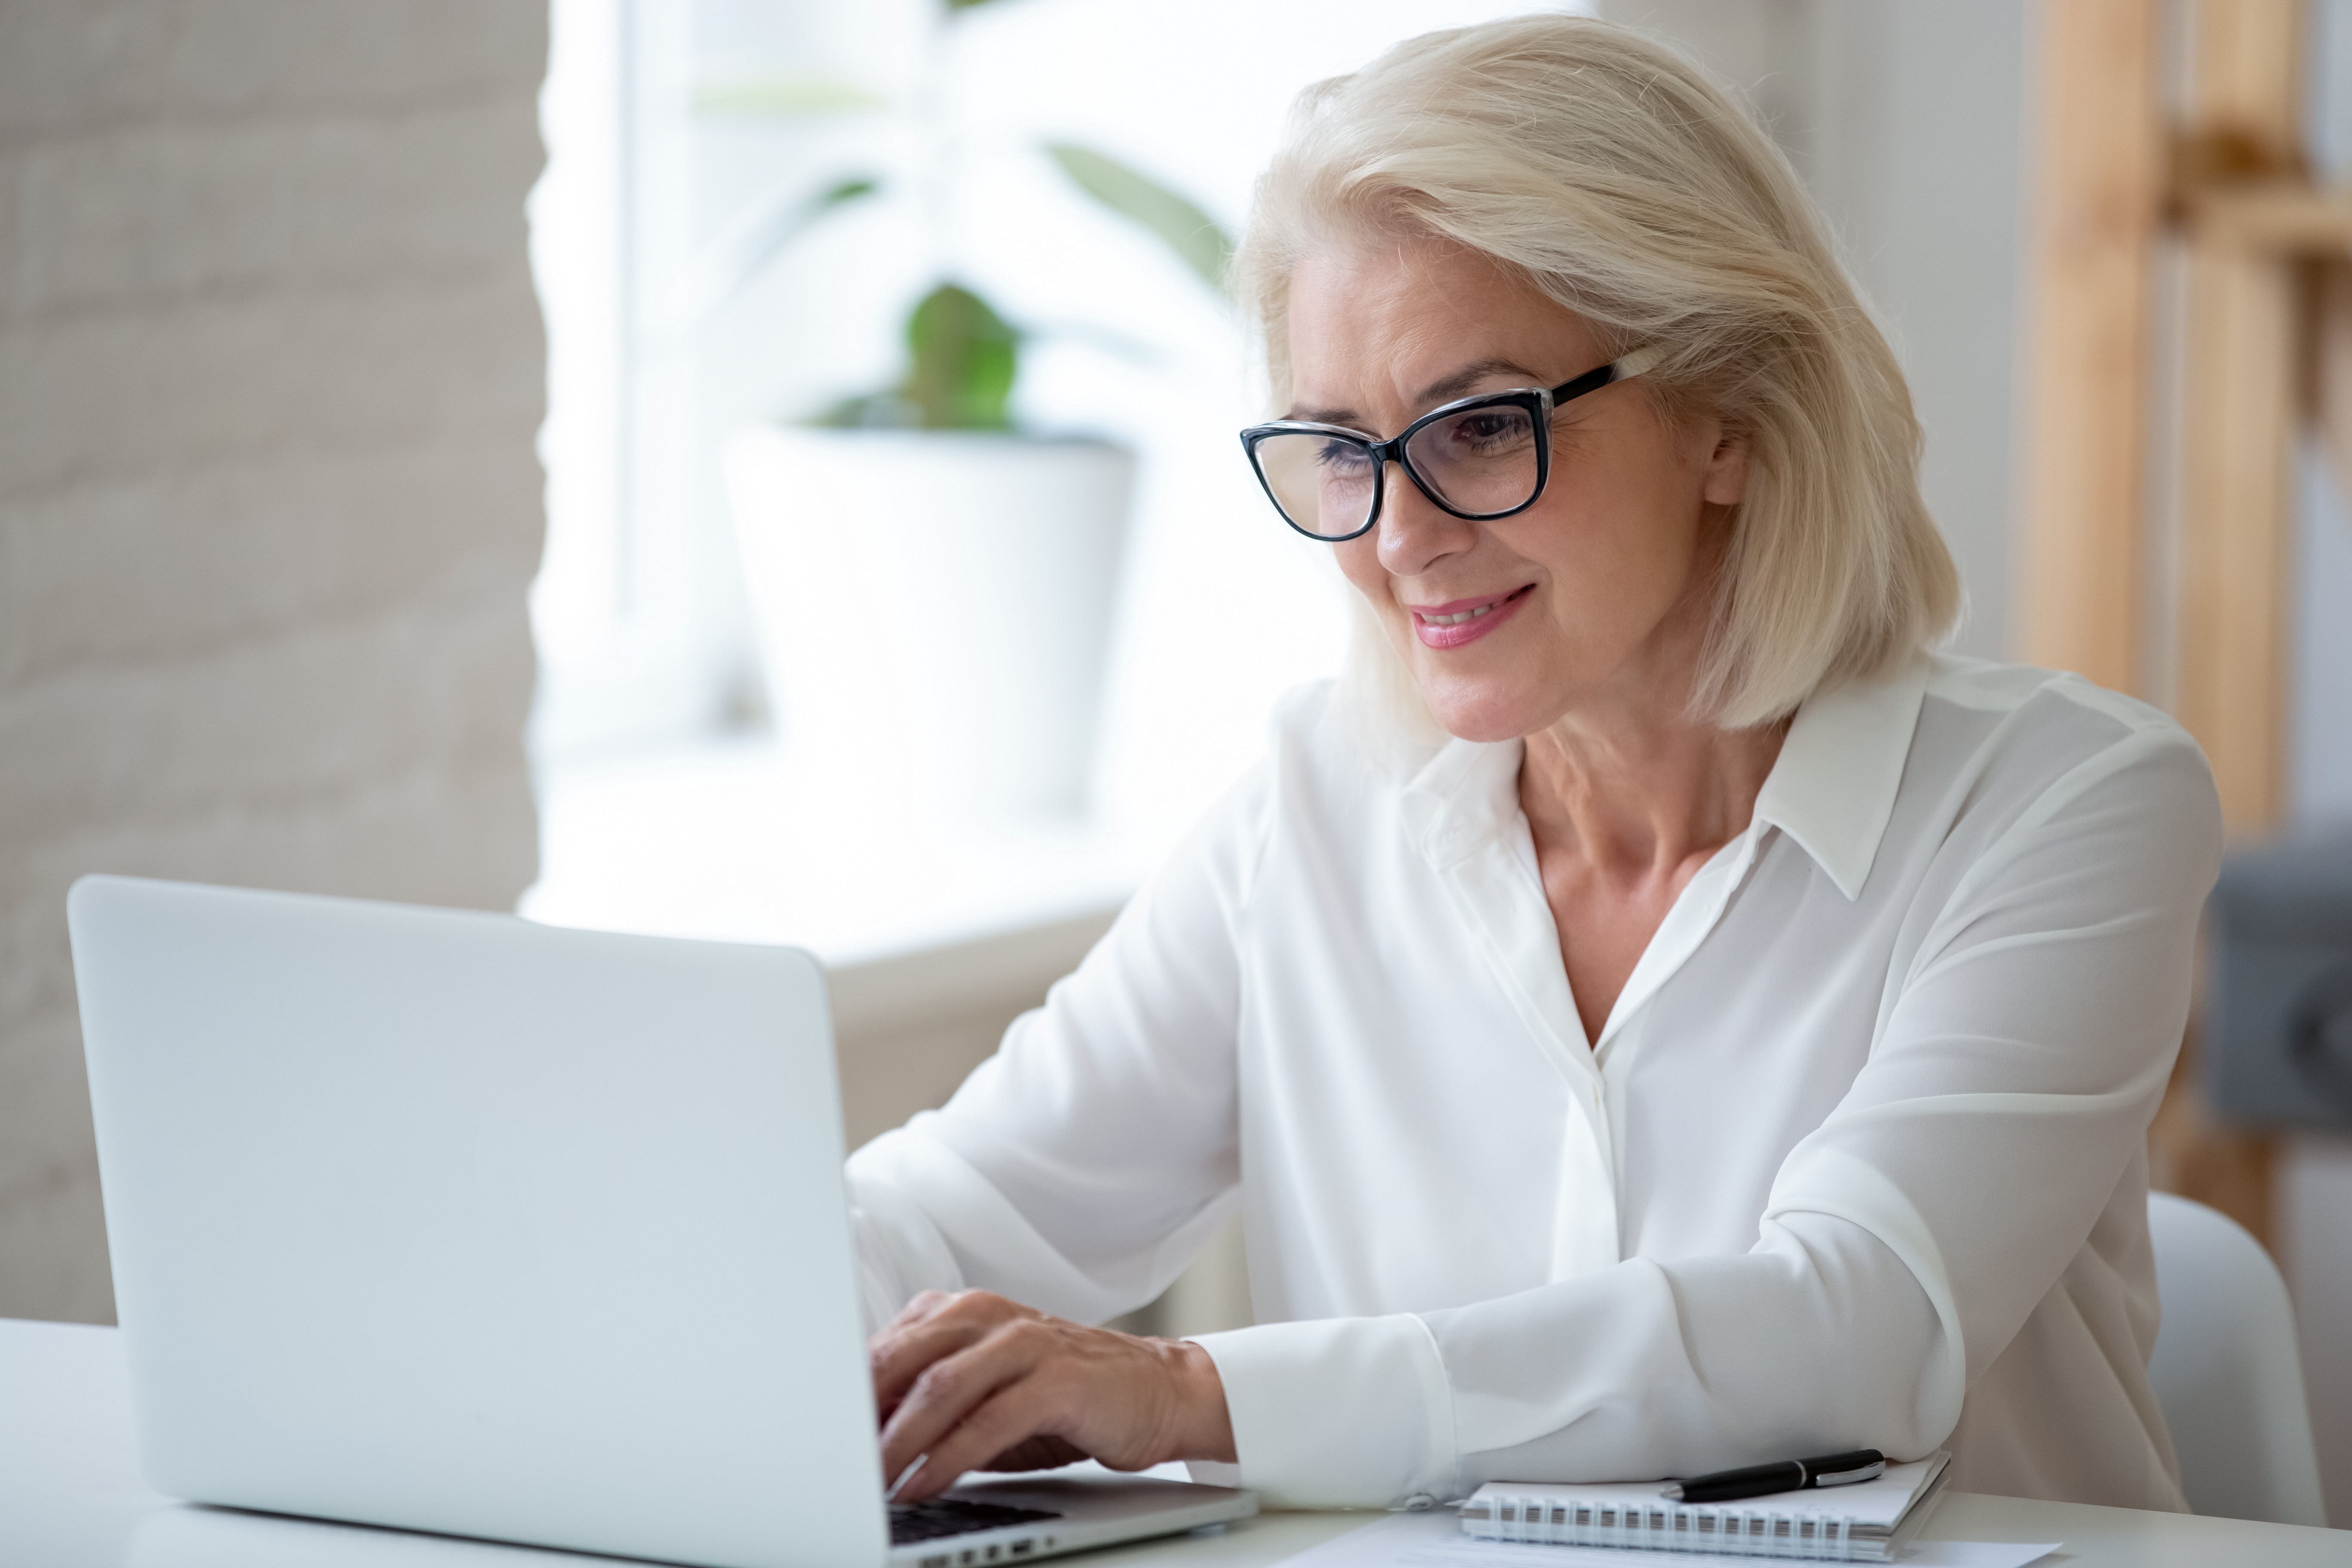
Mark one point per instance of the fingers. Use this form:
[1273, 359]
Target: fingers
[948, 1394]
[1008, 1423]
[932, 1327]
[1002, 1422]
[932, 1310]
[975, 1381]
[925, 1304]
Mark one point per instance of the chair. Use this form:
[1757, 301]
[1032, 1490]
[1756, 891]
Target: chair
[2226, 1370]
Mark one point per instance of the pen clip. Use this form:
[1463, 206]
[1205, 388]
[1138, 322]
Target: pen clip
[1869, 1472]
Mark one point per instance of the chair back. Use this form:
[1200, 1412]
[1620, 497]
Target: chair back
[2226, 1370]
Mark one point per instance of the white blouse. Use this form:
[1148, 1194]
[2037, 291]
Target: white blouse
[1859, 1159]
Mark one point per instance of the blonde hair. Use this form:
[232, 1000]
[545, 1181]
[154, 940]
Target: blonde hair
[1632, 190]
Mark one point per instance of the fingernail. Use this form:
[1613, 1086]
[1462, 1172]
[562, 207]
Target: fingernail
[904, 1477]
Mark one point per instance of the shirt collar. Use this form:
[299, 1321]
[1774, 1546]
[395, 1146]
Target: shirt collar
[1833, 787]
[1465, 796]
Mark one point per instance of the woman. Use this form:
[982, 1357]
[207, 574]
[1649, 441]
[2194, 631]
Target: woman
[1653, 1015]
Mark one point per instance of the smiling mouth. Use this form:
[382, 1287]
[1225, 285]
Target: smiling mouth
[1458, 623]
[1465, 617]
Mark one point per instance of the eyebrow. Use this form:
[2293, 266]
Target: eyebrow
[1458, 384]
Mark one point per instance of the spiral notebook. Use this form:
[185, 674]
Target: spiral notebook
[1866, 1522]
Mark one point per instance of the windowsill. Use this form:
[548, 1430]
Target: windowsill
[723, 841]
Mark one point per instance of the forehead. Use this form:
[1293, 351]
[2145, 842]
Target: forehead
[1392, 314]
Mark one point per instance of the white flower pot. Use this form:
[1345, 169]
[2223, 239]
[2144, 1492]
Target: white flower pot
[934, 608]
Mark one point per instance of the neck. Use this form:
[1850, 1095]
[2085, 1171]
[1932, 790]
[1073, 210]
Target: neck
[1633, 786]
[1625, 780]
[1637, 800]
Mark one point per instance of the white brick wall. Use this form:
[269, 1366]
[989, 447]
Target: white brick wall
[271, 375]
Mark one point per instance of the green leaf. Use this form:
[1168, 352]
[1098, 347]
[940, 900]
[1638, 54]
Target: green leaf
[965, 357]
[832, 196]
[1191, 234]
[786, 97]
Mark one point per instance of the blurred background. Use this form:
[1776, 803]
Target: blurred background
[408, 418]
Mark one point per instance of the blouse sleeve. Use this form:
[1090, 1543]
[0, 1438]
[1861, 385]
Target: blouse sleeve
[2024, 1047]
[1080, 1168]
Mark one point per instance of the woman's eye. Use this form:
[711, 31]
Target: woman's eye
[1341, 456]
[1485, 431]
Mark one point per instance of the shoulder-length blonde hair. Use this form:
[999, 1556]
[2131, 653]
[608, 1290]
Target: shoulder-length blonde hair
[1631, 189]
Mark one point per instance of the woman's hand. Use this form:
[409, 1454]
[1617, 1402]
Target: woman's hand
[975, 1382]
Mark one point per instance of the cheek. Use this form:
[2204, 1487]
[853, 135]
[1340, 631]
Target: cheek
[1629, 529]
[1360, 562]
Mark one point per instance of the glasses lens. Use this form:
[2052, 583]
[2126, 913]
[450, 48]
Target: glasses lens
[1323, 483]
[1482, 460]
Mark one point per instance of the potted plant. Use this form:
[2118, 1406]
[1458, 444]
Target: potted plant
[933, 586]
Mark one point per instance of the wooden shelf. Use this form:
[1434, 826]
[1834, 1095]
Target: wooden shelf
[2275, 218]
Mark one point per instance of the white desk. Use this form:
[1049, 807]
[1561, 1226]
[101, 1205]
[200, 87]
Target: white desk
[70, 1497]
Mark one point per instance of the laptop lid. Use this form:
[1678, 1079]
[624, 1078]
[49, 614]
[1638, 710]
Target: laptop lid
[454, 1222]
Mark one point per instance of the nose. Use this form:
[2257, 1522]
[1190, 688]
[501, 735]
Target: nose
[1414, 533]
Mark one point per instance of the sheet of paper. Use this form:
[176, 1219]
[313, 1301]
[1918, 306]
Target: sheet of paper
[1434, 1540]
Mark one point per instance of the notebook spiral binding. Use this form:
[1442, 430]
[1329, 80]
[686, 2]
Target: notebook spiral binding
[1671, 1526]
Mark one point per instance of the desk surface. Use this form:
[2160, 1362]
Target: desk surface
[70, 1497]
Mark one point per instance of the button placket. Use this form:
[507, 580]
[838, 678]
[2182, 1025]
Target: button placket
[1487, 861]
[1494, 892]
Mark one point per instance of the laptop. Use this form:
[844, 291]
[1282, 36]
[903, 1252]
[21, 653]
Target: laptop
[452, 1221]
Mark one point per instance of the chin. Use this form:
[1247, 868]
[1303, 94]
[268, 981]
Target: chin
[1484, 716]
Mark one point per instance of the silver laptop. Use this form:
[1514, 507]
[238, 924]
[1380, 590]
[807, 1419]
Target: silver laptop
[456, 1223]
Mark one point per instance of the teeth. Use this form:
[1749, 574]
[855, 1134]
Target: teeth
[1457, 620]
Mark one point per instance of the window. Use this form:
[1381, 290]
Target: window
[688, 786]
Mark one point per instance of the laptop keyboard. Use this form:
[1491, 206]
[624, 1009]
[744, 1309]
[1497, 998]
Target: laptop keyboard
[913, 1522]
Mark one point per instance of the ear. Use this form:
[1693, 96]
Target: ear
[1723, 481]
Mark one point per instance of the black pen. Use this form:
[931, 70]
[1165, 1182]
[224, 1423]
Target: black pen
[1787, 1476]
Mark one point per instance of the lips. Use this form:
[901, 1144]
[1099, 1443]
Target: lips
[1459, 622]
